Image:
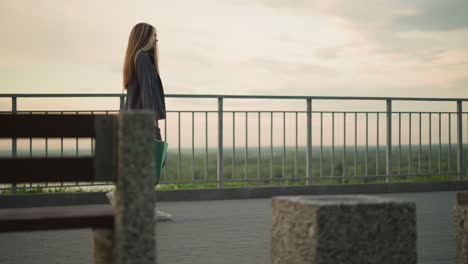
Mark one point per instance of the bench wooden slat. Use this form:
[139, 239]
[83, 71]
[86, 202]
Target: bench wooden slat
[46, 218]
[50, 125]
[39, 169]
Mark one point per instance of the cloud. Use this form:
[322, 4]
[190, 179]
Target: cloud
[434, 15]
[410, 15]
[328, 53]
[460, 87]
[281, 68]
[333, 47]
[51, 31]
[390, 26]
[407, 12]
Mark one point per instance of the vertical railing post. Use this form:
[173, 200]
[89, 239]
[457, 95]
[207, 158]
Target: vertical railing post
[309, 141]
[459, 141]
[389, 141]
[220, 142]
[14, 150]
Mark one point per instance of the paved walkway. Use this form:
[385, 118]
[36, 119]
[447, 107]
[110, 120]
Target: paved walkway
[232, 231]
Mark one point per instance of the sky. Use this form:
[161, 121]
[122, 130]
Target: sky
[394, 48]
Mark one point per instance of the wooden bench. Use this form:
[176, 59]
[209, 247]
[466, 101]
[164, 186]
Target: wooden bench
[102, 166]
[50, 169]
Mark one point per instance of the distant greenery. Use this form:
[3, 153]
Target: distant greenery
[293, 168]
[201, 177]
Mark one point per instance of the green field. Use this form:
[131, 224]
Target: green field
[271, 166]
[201, 170]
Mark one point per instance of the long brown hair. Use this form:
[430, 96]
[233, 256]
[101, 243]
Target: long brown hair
[139, 40]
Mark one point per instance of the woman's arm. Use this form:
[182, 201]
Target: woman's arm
[146, 79]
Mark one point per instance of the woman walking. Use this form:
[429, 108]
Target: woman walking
[143, 84]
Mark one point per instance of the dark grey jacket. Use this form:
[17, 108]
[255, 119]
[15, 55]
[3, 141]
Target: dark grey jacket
[145, 89]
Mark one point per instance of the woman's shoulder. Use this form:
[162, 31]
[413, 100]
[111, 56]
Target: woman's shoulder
[142, 56]
[142, 52]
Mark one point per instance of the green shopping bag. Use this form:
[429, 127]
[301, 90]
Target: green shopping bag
[160, 149]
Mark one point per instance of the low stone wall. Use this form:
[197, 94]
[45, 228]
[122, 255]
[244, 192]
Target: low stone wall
[63, 199]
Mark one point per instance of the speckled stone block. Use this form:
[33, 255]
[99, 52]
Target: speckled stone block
[343, 229]
[103, 246]
[134, 226]
[461, 233]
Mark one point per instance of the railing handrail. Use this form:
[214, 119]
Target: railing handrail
[241, 96]
[220, 111]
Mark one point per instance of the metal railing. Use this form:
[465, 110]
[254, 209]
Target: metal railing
[309, 176]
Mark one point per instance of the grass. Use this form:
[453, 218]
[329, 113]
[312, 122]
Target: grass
[202, 169]
[234, 184]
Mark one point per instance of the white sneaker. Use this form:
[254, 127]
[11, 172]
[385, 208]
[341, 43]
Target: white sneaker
[110, 197]
[161, 216]
[158, 214]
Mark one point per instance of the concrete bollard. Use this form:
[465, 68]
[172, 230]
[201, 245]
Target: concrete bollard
[134, 226]
[132, 241]
[343, 229]
[103, 246]
[461, 227]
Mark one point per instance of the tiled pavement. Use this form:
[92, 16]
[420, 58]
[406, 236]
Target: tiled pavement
[229, 231]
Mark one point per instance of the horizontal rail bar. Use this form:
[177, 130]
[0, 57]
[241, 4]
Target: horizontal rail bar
[227, 111]
[245, 97]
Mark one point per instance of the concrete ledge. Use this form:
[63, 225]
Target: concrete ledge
[64, 199]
